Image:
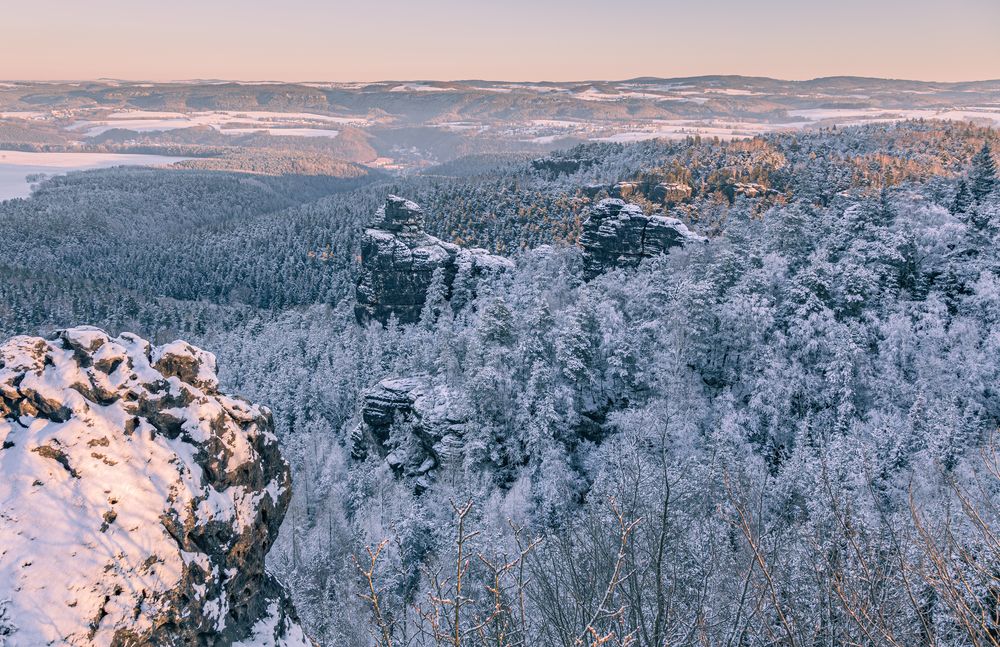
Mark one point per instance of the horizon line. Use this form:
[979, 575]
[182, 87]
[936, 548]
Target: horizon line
[218, 80]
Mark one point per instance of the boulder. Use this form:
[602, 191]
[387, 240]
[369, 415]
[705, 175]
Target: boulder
[398, 261]
[138, 502]
[616, 234]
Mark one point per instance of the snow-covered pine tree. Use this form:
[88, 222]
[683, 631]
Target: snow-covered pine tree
[963, 199]
[983, 176]
[435, 301]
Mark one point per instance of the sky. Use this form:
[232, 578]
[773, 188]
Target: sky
[524, 40]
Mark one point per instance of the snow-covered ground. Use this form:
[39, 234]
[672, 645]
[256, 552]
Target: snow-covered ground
[16, 166]
[849, 116]
[593, 94]
[799, 119]
[300, 124]
[681, 128]
[547, 139]
[733, 92]
[548, 131]
[555, 123]
[23, 114]
[460, 125]
[418, 87]
[283, 132]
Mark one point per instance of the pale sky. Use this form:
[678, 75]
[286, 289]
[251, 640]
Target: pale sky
[363, 40]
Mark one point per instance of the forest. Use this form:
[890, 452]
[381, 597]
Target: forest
[783, 437]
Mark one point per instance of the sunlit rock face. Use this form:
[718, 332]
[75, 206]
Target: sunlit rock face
[670, 193]
[398, 261]
[748, 190]
[624, 190]
[617, 234]
[137, 502]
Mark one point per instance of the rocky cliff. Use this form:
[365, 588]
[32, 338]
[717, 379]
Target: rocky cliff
[617, 234]
[749, 190]
[137, 502]
[410, 423]
[670, 193]
[398, 261]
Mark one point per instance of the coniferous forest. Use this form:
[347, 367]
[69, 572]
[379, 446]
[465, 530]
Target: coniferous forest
[785, 435]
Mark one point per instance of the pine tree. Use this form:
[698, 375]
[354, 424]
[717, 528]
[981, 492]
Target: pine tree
[463, 287]
[435, 301]
[963, 199]
[983, 177]
[497, 324]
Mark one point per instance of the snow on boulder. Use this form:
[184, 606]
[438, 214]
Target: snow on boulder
[137, 502]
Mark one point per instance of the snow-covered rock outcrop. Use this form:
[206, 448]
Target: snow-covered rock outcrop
[670, 193]
[617, 234]
[398, 261]
[137, 502]
[412, 424]
[748, 190]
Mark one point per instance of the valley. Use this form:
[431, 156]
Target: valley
[17, 167]
[411, 126]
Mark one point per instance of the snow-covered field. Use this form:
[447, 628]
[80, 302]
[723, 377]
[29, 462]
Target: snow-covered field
[800, 119]
[23, 114]
[460, 125]
[283, 132]
[548, 131]
[848, 116]
[295, 124]
[418, 87]
[16, 166]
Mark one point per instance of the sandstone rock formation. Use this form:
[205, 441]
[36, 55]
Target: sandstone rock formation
[670, 193]
[137, 502]
[398, 260]
[616, 234]
[410, 423]
[624, 190]
[749, 190]
[667, 194]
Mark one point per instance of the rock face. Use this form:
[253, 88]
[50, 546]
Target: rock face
[670, 193]
[137, 502]
[616, 234]
[398, 260]
[410, 423]
[749, 190]
[624, 190]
